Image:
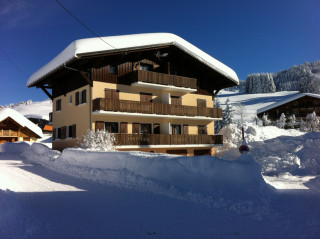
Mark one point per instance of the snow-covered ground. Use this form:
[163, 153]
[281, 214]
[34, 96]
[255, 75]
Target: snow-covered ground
[87, 194]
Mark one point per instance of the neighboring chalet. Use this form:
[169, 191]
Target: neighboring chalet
[154, 91]
[15, 127]
[300, 105]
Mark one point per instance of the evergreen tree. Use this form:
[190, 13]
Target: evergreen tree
[227, 114]
[218, 123]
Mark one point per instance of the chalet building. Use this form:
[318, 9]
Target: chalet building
[155, 92]
[300, 105]
[15, 127]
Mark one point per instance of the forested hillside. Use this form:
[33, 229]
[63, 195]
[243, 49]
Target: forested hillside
[304, 78]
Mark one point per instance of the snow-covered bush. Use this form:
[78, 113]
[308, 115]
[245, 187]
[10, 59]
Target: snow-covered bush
[98, 140]
[282, 121]
[312, 122]
[265, 120]
[292, 121]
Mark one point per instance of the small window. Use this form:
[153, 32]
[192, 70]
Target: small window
[58, 105]
[145, 67]
[81, 97]
[113, 69]
[111, 127]
[70, 99]
[145, 128]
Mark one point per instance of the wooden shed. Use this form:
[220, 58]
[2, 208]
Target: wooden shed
[300, 105]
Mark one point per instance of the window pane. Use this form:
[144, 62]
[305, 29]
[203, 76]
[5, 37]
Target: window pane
[111, 127]
[145, 128]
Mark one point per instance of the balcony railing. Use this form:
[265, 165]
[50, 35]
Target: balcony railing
[8, 133]
[154, 108]
[158, 78]
[166, 139]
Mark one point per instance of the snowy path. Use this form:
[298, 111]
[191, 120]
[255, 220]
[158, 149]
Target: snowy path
[46, 204]
[18, 177]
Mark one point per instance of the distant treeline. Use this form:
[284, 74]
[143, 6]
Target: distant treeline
[304, 78]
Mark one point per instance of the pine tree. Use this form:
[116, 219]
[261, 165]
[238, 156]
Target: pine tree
[218, 123]
[227, 114]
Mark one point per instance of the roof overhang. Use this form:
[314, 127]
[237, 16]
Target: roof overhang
[127, 43]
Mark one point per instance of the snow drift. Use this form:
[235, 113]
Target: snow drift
[205, 179]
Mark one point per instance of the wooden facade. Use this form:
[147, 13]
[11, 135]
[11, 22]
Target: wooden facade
[11, 131]
[300, 107]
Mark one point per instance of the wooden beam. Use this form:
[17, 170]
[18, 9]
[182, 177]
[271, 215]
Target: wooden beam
[46, 92]
[86, 77]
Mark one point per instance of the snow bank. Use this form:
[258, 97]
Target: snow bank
[212, 181]
[277, 150]
[17, 147]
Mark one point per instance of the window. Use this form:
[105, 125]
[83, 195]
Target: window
[81, 97]
[202, 129]
[113, 69]
[58, 105]
[145, 128]
[111, 127]
[145, 67]
[69, 131]
[70, 99]
[176, 129]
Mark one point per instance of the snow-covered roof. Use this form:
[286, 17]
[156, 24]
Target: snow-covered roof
[297, 96]
[128, 42]
[20, 119]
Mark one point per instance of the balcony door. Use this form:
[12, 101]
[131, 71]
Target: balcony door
[176, 129]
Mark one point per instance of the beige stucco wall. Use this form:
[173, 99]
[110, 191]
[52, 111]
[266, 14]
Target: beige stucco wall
[71, 114]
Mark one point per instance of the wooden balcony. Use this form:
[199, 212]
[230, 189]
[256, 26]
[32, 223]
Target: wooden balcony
[158, 78]
[8, 133]
[154, 108]
[166, 139]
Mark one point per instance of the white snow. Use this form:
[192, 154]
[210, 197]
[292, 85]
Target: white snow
[88, 194]
[125, 43]
[39, 110]
[20, 119]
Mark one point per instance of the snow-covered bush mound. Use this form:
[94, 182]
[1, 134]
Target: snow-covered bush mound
[17, 147]
[213, 181]
[277, 150]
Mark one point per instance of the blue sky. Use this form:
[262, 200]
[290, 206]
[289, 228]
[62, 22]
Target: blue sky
[248, 36]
